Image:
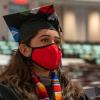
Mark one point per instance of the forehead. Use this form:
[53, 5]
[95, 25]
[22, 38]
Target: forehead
[49, 32]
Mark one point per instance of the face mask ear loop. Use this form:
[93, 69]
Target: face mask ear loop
[28, 60]
[31, 52]
[29, 47]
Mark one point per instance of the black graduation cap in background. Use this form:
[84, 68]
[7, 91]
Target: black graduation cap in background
[24, 25]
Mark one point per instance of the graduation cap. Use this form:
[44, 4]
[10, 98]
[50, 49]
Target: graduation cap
[24, 25]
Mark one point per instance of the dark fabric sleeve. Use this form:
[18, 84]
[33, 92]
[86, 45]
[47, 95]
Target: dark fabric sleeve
[84, 97]
[6, 93]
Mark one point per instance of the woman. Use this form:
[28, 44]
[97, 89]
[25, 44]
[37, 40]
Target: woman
[35, 71]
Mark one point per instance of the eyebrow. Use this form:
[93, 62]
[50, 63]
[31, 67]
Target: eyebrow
[49, 36]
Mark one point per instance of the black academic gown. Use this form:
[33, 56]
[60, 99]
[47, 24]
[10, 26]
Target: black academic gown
[8, 93]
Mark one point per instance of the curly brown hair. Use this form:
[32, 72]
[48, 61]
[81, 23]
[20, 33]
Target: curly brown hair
[18, 75]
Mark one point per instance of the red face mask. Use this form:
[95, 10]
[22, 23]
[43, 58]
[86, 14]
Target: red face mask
[47, 57]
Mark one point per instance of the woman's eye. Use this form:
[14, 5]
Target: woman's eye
[45, 40]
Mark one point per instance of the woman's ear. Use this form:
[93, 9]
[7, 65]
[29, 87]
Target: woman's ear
[25, 50]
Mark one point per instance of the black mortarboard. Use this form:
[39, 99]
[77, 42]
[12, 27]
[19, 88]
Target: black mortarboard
[24, 25]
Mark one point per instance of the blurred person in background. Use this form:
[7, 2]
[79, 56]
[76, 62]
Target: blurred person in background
[35, 71]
